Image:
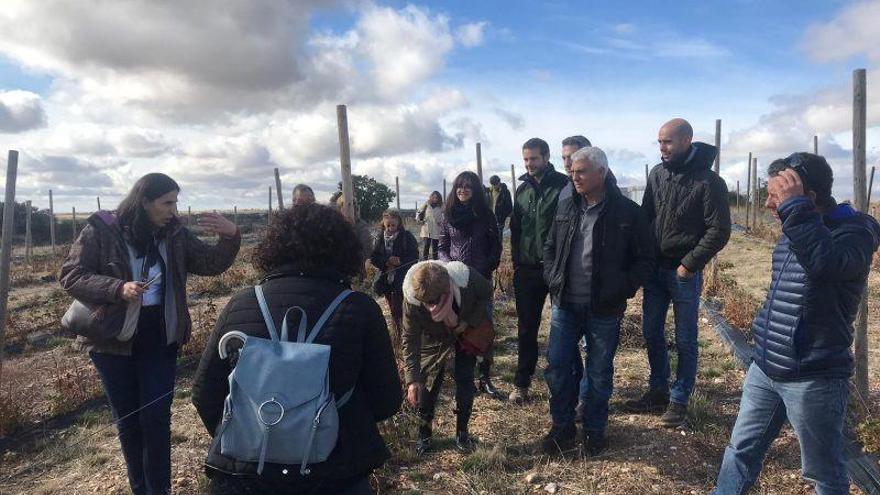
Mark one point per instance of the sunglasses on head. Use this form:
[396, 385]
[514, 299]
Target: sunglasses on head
[796, 163]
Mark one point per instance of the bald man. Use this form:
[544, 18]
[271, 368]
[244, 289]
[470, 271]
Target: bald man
[687, 205]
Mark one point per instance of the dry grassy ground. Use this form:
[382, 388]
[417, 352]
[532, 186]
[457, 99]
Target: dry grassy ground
[643, 456]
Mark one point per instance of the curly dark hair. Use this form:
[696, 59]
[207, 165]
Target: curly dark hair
[310, 237]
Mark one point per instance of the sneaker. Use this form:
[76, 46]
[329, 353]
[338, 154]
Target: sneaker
[463, 442]
[653, 401]
[594, 443]
[559, 439]
[519, 396]
[489, 389]
[674, 416]
[579, 412]
[423, 442]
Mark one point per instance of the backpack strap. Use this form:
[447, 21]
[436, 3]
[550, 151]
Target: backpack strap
[313, 334]
[345, 397]
[267, 316]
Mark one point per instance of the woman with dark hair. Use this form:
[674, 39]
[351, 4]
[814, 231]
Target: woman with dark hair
[469, 233]
[309, 256]
[394, 251]
[429, 216]
[134, 264]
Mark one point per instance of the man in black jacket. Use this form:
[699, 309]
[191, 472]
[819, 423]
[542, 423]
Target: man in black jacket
[801, 362]
[598, 253]
[686, 203]
[499, 201]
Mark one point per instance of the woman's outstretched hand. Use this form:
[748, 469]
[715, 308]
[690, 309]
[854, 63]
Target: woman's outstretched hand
[215, 223]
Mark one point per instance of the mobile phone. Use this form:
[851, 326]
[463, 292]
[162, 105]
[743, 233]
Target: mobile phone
[153, 280]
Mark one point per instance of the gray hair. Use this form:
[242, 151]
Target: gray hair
[592, 155]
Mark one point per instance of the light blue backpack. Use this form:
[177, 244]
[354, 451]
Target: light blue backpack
[280, 408]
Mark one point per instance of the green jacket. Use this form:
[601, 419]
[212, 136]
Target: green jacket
[533, 211]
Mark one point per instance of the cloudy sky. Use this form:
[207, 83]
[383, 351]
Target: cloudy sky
[217, 93]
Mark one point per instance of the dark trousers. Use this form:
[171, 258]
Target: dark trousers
[432, 244]
[463, 373]
[530, 293]
[143, 381]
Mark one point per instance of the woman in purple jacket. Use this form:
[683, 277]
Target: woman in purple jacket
[469, 233]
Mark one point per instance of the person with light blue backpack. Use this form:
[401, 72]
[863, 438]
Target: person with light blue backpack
[299, 369]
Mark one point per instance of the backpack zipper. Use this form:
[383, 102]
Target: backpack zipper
[304, 469]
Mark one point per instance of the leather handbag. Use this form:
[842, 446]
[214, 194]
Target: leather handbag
[477, 340]
[100, 322]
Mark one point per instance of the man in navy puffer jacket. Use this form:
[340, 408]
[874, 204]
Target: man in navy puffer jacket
[802, 361]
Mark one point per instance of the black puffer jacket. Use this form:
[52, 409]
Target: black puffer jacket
[820, 268]
[623, 250]
[687, 206]
[360, 356]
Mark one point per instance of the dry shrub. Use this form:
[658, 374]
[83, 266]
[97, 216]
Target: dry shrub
[237, 276]
[738, 306]
[12, 414]
[204, 317]
[72, 384]
[869, 434]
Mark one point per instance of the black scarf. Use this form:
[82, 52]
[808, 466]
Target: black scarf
[462, 217]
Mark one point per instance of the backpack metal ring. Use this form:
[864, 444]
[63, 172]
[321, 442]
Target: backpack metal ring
[264, 404]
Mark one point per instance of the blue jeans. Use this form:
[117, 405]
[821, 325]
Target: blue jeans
[569, 323]
[132, 382]
[816, 410]
[665, 286]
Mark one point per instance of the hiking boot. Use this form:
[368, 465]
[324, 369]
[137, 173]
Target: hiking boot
[579, 412]
[463, 442]
[489, 389]
[674, 416]
[594, 443]
[653, 401]
[519, 396]
[423, 442]
[559, 439]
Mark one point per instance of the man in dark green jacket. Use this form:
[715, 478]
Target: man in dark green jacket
[533, 209]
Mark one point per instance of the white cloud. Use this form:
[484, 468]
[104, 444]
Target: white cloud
[852, 32]
[404, 47]
[471, 35]
[21, 111]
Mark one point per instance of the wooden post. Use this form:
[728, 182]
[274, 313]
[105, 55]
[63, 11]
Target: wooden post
[189, 216]
[28, 243]
[397, 191]
[278, 187]
[235, 215]
[713, 266]
[6, 246]
[480, 164]
[737, 200]
[755, 194]
[444, 190]
[815, 144]
[52, 222]
[860, 201]
[345, 161]
[74, 225]
[269, 216]
[99, 202]
[870, 186]
[512, 180]
[646, 173]
[748, 191]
